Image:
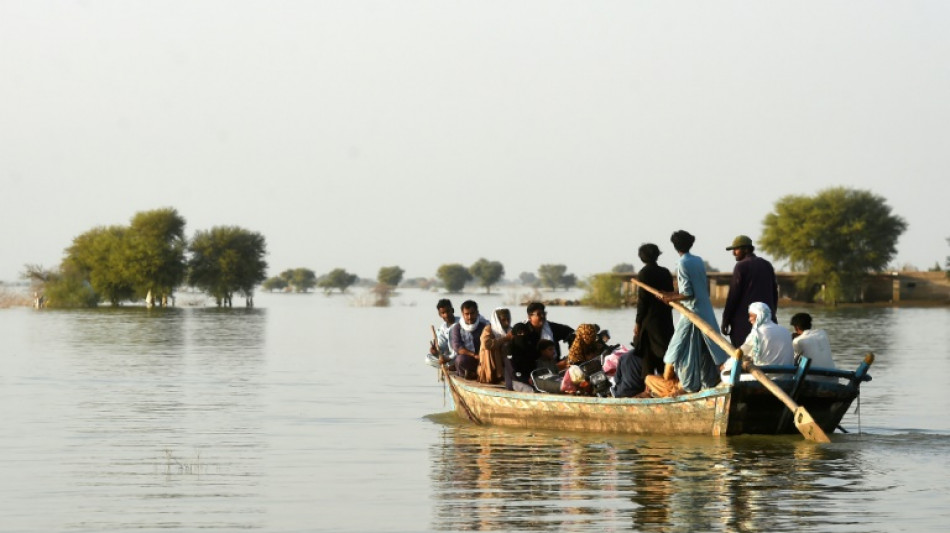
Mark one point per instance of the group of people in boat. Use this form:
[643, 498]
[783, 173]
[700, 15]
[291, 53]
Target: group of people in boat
[665, 360]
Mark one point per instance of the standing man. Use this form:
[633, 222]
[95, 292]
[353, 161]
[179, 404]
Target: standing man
[654, 323]
[753, 280]
[692, 360]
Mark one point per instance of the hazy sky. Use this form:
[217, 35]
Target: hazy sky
[364, 134]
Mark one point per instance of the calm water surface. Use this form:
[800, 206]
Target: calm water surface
[314, 413]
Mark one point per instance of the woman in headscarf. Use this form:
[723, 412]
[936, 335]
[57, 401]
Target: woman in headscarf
[768, 343]
[586, 344]
[494, 349]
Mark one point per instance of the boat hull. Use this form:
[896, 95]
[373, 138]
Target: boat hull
[723, 410]
[703, 413]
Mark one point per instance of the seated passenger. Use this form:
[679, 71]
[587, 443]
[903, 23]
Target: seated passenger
[465, 339]
[494, 347]
[441, 346]
[547, 351]
[521, 361]
[586, 346]
[811, 343]
[541, 328]
[629, 377]
[767, 343]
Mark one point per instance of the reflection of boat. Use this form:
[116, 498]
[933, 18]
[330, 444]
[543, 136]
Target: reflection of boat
[746, 407]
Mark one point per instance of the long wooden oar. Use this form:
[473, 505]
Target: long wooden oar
[804, 422]
[455, 393]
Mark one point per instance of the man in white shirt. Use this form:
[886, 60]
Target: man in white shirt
[811, 343]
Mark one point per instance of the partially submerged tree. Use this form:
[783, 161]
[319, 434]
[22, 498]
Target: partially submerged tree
[550, 275]
[275, 283]
[301, 279]
[337, 278]
[554, 276]
[487, 272]
[390, 276]
[120, 263]
[568, 281]
[156, 252]
[454, 276]
[227, 260]
[63, 288]
[837, 237]
[603, 290]
[103, 258]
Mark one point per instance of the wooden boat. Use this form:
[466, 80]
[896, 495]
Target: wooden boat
[746, 407]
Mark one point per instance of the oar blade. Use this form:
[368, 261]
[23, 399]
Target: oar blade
[808, 427]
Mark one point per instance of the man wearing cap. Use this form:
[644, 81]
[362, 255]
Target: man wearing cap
[753, 280]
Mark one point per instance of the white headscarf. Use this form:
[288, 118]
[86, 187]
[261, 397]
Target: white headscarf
[763, 316]
[496, 329]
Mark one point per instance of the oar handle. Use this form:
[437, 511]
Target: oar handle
[703, 326]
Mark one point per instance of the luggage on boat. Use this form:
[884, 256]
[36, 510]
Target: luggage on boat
[545, 380]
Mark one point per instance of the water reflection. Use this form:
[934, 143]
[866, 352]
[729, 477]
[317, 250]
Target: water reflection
[495, 480]
[167, 409]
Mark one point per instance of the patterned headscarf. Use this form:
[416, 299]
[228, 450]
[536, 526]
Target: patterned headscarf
[585, 345]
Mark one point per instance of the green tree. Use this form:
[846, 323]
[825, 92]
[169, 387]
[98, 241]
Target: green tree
[623, 268]
[155, 252]
[487, 272]
[550, 275]
[100, 257]
[528, 279]
[337, 279]
[568, 281]
[390, 276]
[227, 260]
[454, 276]
[554, 276]
[837, 237]
[603, 290]
[275, 283]
[303, 279]
[67, 288]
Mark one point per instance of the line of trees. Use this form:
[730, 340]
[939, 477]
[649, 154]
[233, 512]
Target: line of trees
[487, 273]
[149, 259]
[454, 276]
[837, 236]
[303, 280]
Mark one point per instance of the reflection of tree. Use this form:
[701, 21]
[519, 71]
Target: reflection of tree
[504, 480]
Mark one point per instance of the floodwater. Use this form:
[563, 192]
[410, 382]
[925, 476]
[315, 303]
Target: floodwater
[316, 413]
